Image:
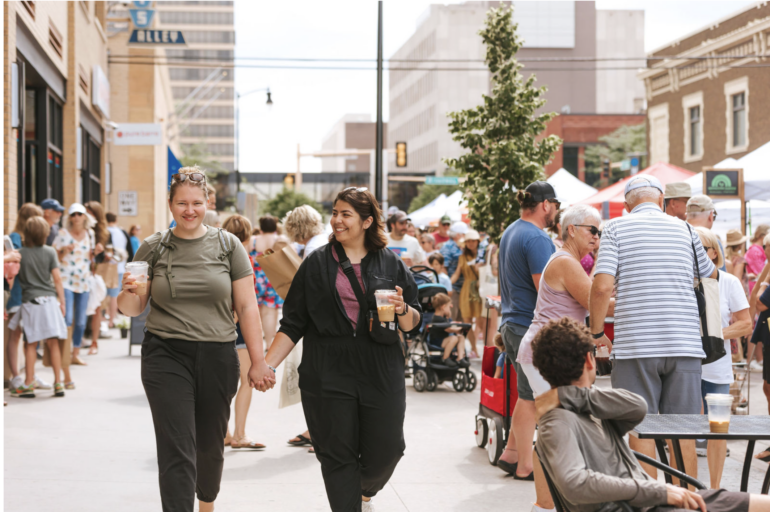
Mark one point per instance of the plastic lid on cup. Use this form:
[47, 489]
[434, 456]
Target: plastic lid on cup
[719, 399]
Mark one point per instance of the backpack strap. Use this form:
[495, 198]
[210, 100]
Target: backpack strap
[226, 243]
[164, 244]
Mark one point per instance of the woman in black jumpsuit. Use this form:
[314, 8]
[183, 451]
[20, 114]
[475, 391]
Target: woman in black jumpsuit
[352, 385]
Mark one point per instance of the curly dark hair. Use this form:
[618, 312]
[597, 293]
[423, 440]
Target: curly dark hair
[559, 350]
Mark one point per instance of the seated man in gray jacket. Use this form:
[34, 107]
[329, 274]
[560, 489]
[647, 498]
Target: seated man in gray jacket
[580, 440]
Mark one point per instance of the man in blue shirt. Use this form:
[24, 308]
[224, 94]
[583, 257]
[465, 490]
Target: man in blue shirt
[524, 251]
[451, 252]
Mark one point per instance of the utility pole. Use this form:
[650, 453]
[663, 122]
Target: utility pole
[378, 152]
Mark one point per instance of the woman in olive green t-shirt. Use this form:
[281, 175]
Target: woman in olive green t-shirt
[190, 368]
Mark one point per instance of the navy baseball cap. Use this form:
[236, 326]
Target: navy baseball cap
[52, 204]
[541, 191]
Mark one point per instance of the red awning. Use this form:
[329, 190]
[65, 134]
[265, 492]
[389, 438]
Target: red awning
[666, 173]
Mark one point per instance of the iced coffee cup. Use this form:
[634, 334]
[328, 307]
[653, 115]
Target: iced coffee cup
[719, 412]
[386, 311]
[603, 363]
[139, 271]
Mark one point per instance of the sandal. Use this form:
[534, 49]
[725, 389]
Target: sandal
[303, 441]
[766, 458]
[78, 361]
[93, 351]
[69, 385]
[508, 467]
[246, 443]
[311, 450]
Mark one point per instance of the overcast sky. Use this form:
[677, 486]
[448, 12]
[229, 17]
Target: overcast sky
[307, 103]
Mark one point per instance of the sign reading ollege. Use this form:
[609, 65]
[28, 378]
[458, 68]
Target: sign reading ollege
[723, 183]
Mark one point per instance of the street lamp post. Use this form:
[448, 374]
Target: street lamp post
[238, 97]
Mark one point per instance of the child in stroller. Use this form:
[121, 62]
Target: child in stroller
[446, 334]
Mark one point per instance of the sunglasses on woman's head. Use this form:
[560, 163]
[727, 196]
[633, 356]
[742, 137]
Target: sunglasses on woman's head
[194, 176]
[357, 189]
[592, 229]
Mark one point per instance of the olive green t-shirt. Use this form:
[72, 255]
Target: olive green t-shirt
[37, 263]
[202, 308]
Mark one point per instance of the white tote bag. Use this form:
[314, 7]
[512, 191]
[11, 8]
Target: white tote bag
[98, 291]
[290, 394]
[487, 283]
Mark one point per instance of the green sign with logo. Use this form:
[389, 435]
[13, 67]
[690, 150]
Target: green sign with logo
[722, 183]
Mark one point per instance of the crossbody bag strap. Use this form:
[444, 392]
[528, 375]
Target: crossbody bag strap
[694, 254]
[347, 268]
[701, 307]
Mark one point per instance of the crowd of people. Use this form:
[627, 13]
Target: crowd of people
[561, 273]
[67, 270]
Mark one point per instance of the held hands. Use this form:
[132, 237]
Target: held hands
[129, 283]
[683, 498]
[98, 248]
[398, 301]
[261, 377]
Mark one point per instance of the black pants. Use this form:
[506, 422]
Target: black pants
[189, 386]
[354, 400]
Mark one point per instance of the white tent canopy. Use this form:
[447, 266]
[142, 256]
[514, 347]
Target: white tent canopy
[568, 188]
[453, 205]
[756, 173]
[729, 215]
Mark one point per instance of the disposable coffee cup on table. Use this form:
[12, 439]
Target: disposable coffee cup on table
[386, 311]
[719, 412]
[139, 271]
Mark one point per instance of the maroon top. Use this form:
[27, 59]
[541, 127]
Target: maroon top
[348, 296]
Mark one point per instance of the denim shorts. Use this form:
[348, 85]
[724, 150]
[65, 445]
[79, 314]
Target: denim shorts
[511, 340]
[113, 292]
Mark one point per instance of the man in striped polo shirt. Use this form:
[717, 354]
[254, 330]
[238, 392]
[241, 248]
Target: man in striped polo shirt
[648, 257]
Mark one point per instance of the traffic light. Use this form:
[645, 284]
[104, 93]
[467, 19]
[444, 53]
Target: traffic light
[606, 168]
[400, 154]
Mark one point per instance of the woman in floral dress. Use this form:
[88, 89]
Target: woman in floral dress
[268, 299]
[74, 246]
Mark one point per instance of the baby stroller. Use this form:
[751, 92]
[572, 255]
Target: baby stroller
[428, 370]
[498, 397]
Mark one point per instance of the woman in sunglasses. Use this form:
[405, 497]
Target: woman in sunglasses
[352, 372]
[564, 285]
[74, 245]
[190, 368]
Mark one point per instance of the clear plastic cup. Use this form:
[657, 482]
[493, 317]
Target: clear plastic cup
[386, 310]
[139, 271]
[719, 412]
[603, 363]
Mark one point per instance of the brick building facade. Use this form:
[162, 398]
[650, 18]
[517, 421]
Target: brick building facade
[708, 95]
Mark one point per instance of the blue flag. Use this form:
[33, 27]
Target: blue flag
[173, 165]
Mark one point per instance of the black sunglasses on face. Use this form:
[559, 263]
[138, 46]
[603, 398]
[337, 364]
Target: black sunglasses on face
[195, 176]
[592, 229]
[75, 214]
[557, 203]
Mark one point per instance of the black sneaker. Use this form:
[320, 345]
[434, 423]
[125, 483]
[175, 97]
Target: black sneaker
[449, 363]
[464, 363]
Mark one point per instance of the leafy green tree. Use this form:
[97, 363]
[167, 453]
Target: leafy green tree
[427, 193]
[501, 135]
[615, 146]
[287, 200]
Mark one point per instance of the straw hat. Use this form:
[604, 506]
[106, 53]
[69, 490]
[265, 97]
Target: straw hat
[735, 237]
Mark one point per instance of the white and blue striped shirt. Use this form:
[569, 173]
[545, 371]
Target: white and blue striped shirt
[651, 256]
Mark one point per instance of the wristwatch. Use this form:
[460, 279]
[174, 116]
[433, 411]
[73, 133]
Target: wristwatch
[598, 335]
[406, 308]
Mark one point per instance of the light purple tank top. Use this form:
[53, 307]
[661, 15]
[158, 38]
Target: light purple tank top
[551, 305]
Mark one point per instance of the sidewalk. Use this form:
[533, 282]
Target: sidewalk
[94, 450]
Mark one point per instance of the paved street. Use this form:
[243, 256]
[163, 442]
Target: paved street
[94, 450]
